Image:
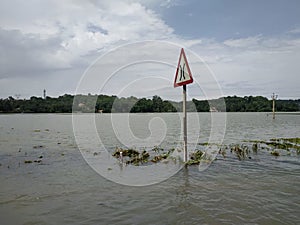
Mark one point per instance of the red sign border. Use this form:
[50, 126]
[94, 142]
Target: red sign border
[182, 53]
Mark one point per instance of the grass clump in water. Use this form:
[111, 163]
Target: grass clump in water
[275, 153]
[134, 157]
[195, 158]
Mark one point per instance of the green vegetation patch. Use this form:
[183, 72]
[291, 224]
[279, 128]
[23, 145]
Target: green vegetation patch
[195, 158]
[292, 140]
[113, 104]
[279, 143]
[242, 151]
[134, 157]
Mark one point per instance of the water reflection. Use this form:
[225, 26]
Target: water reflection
[183, 197]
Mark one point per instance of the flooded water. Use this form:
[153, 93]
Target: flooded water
[61, 188]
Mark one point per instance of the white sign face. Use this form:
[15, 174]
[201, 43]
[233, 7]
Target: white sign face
[183, 74]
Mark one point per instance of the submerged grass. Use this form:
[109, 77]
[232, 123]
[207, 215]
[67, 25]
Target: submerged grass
[242, 151]
[134, 157]
[195, 158]
[280, 143]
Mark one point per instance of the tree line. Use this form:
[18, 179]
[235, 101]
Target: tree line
[113, 104]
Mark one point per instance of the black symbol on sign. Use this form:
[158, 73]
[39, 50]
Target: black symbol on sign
[182, 72]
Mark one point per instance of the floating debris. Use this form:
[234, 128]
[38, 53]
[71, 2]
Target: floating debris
[134, 157]
[195, 158]
[157, 149]
[292, 140]
[126, 152]
[144, 157]
[288, 144]
[275, 153]
[32, 161]
[38, 146]
[278, 145]
[255, 147]
[162, 156]
[158, 158]
[204, 143]
[242, 151]
[223, 152]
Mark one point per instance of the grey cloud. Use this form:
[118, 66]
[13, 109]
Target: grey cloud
[96, 29]
[26, 53]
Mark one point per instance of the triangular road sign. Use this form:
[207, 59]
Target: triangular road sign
[183, 74]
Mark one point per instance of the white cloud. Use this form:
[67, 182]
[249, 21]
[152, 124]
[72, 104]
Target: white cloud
[255, 65]
[295, 31]
[61, 38]
[249, 42]
[60, 34]
[23, 54]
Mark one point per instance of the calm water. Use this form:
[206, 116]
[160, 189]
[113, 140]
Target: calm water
[64, 189]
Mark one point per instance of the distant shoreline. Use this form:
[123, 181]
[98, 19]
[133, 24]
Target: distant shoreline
[286, 113]
[78, 113]
[113, 104]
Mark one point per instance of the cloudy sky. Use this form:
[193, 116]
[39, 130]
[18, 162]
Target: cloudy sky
[247, 47]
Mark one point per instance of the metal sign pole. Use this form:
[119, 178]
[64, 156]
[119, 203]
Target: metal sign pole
[274, 97]
[183, 76]
[273, 108]
[184, 125]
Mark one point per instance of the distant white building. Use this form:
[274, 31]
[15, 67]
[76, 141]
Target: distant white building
[213, 109]
[80, 105]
